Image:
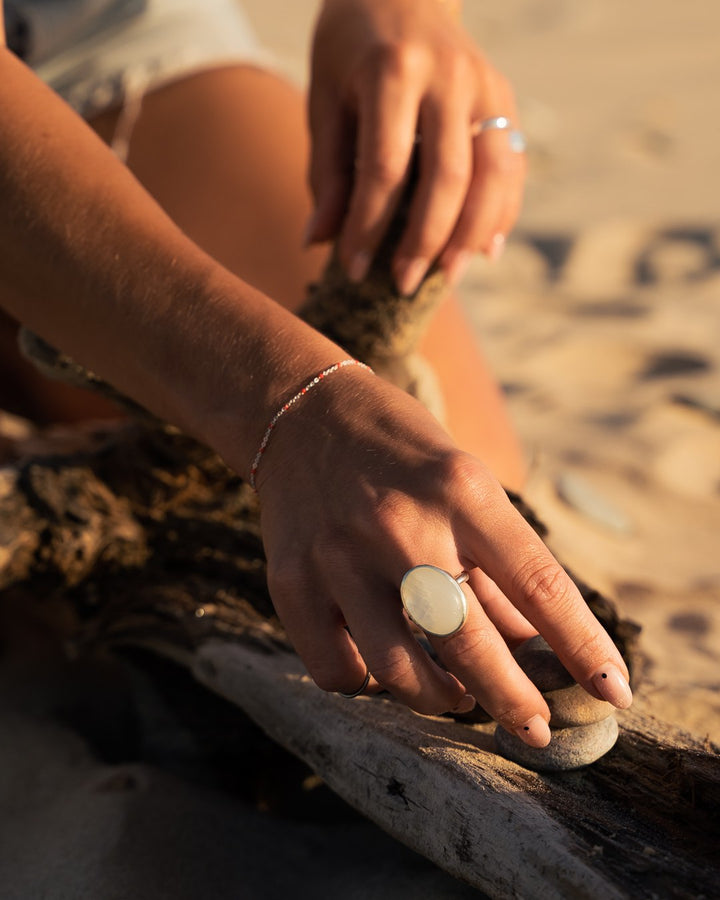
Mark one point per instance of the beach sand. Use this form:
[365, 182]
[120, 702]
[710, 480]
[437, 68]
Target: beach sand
[602, 321]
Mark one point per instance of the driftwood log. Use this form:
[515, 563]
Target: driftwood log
[144, 538]
[137, 535]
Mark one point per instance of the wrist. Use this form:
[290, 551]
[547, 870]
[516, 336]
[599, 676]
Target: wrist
[291, 402]
[255, 356]
[355, 421]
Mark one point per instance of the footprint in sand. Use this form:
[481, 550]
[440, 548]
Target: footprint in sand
[670, 363]
[679, 255]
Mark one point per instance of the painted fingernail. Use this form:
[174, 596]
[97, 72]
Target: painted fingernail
[457, 267]
[497, 246]
[612, 685]
[359, 265]
[466, 705]
[409, 273]
[535, 732]
[309, 232]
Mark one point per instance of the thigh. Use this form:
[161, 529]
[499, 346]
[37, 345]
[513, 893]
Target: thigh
[225, 153]
[475, 411]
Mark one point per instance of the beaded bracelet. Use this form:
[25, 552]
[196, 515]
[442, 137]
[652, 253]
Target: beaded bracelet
[291, 402]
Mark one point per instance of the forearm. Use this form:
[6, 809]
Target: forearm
[90, 262]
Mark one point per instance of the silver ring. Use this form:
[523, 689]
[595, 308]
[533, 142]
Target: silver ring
[360, 690]
[498, 123]
[518, 141]
[434, 600]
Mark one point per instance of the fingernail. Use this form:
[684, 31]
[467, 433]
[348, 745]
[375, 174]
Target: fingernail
[309, 231]
[359, 265]
[466, 705]
[612, 685]
[535, 732]
[497, 246]
[409, 273]
[457, 267]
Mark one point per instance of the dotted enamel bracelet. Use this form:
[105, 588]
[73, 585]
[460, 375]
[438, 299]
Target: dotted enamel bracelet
[291, 402]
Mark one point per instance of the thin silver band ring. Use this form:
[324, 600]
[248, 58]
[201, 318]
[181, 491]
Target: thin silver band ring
[353, 694]
[518, 142]
[497, 123]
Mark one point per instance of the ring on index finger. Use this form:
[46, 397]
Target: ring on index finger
[434, 600]
[518, 141]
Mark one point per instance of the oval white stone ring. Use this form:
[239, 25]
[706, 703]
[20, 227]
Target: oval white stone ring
[434, 600]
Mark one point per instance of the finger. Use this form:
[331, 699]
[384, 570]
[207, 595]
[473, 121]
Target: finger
[316, 629]
[508, 620]
[495, 197]
[387, 119]
[481, 659]
[445, 172]
[393, 655]
[331, 166]
[492, 203]
[515, 195]
[526, 572]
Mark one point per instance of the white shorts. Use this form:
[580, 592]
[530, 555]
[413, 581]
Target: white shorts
[135, 47]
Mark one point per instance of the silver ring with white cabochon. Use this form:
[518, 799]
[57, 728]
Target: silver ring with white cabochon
[434, 600]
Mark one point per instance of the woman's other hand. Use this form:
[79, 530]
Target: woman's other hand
[385, 73]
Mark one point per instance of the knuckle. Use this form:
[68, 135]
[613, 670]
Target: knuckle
[402, 59]
[459, 68]
[470, 644]
[543, 585]
[466, 480]
[588, 648]
[393, 668]
[385, 171]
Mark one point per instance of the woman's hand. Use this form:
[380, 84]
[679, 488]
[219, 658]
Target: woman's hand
[385, 72]
[360, 483]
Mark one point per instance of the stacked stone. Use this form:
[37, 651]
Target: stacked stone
[583, 728]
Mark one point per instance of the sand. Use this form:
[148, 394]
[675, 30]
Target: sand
[602, 322]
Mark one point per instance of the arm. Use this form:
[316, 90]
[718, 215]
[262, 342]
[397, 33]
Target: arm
[359, 482]
[92, 264]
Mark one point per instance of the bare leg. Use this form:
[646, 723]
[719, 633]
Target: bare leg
[225, 153]
[475, 410]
